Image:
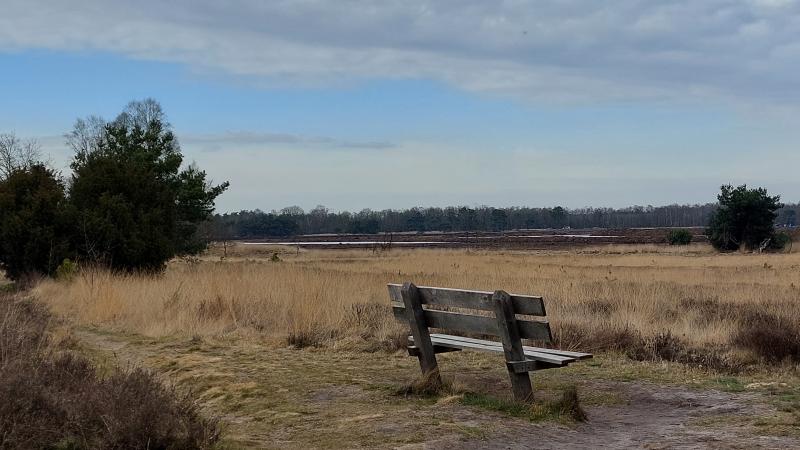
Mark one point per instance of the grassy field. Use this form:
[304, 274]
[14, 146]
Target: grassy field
[688, 304]
[298, 349]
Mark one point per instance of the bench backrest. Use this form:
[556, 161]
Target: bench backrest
[474, 319]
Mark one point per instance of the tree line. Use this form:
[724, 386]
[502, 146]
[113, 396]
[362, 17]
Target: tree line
[294, 220]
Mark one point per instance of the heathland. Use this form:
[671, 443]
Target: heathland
[292, 348]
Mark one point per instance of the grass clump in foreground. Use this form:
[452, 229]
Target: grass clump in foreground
[55, 399]
[429, 385]
[566, 408]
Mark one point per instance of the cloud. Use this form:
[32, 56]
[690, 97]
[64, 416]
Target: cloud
[239, 139]
[553, 51]
[55, 149]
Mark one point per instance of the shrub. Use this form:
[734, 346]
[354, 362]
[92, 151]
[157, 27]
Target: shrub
[662, 346]
[66, 270]
[34, 225]
[779, 241]
[679, 237]
[772, 338]
[571, 336]
[57, 400]
[665, 346]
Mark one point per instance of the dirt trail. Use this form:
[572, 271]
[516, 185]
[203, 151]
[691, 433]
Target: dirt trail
[654, 417]
[285, 398]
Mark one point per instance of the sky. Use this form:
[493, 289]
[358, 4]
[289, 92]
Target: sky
[395, 104]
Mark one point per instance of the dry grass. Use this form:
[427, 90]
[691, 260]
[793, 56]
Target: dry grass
[616, 297]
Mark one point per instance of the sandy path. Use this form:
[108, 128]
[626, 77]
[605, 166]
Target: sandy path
[654, 417]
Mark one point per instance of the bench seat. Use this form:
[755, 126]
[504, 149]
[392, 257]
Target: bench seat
[550, 356]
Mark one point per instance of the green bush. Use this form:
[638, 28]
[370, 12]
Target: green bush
[679, 237]
[66, 270]
[779, 241]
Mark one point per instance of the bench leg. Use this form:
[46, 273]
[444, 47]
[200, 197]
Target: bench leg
[521, 386]
[419, 329]
[512, 345]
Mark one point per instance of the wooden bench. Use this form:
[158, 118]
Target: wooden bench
[432, 307]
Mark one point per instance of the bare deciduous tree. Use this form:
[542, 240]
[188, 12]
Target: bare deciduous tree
[16, 153]
[141, 113]
[86, 135]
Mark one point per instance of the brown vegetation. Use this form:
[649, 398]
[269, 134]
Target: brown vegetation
[55, 399]
[725, 312]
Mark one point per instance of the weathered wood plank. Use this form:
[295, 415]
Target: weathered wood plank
[487, 346]
[530, 329]
[522, 366]
[512, 345]
[494, 347]
[419, 329]
[461, 298]
[498, 347]
[469, 323]
[531, 352]
[455, 321]
[414, 351]
[462, 322]
[526, 348]
[552, 351]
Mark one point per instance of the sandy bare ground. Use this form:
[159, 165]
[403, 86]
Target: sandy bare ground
[653, 417]
[268, 397]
